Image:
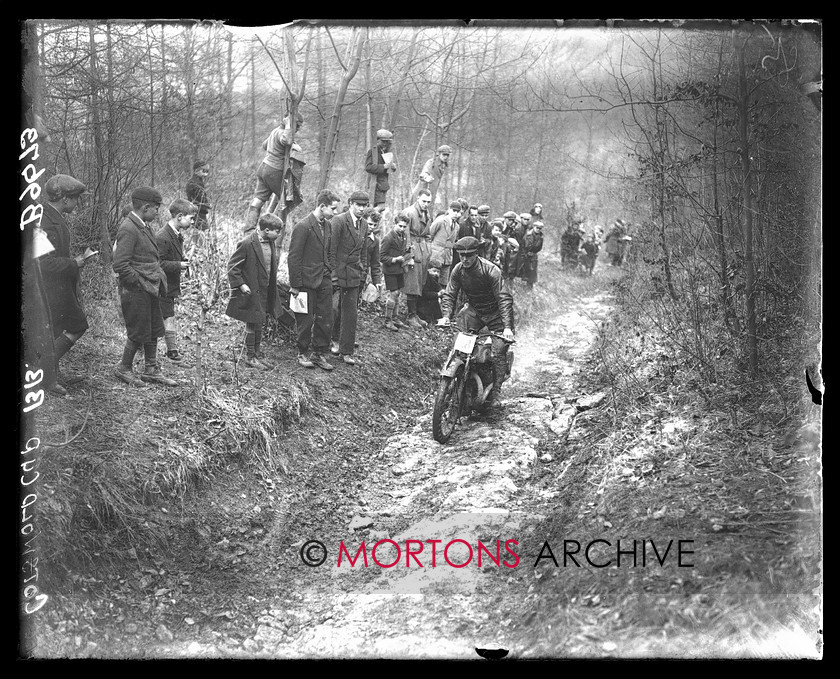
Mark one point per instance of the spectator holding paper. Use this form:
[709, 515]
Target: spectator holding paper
[60, 272]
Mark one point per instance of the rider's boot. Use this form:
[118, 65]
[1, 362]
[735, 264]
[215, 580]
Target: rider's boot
[500, 366]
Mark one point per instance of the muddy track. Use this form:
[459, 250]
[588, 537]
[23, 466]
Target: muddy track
[475, 489]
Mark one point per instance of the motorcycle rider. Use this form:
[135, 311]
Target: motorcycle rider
[490, 303]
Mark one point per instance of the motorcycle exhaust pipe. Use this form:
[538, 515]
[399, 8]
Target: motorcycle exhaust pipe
[481, 390]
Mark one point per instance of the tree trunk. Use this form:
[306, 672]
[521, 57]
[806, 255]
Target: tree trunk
[97, 214]
[354, 57]
[189, 81]
[253, 101]
[151, 109]
[370, 134]
[322, 89]
[749, 263]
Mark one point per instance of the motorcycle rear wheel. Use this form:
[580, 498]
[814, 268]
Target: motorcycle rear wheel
[447, 407]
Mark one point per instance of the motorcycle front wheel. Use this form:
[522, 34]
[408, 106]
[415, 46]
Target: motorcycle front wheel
[447, 407]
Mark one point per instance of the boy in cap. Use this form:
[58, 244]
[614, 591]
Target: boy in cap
[252, 274]
[170, 242]
[270, 176]
[428, 306]
[394, 251]
[433, 171]
[379, 162]
[60, 272]
[348, 263]
[142, 283]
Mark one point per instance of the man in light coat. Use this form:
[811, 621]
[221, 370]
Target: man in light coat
[443, 233]
[418, 240]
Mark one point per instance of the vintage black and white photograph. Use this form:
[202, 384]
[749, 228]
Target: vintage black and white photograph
[484, 340]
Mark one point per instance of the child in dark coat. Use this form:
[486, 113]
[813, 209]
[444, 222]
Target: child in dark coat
[252, 274]
[428, 306]
[170, 242]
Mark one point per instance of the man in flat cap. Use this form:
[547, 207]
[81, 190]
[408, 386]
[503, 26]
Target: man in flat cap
[489, 300]
[477, 227]
[348, 262]
[60, 272]
[379, 163]
[142, 282]
[278, 146]
[433, 172]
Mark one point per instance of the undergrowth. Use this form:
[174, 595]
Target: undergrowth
[689, 446]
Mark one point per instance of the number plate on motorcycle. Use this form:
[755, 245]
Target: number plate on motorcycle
[465, 342]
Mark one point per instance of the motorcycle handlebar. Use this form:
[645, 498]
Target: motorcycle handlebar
[454, 328]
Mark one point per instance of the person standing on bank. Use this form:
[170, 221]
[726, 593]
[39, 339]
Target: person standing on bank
[309, 272]
[443, 233]
[379, 162]
[394, 251]
[197, 194]
[348, 263]
[60, 272]
[170, 242]
[270, 177]
[252, 274]
[533, 243]
[142, 283]
[433, 172]
[373, 217]
[418, 240]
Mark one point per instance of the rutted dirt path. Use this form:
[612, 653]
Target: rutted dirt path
[473, 489]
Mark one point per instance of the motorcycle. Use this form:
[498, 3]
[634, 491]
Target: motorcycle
[466, 380]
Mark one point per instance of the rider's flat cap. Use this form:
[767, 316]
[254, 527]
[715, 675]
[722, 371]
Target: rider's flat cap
[467, 245]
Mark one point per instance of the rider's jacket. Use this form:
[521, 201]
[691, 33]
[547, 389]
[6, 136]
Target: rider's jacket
[483, 287]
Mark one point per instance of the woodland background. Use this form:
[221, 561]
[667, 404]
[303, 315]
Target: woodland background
[706, 136]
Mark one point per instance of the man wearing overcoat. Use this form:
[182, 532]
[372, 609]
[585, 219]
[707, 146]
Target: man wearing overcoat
[348, 262]
[310, 272]
[418, 240]
[142, 282]
[60, 271]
